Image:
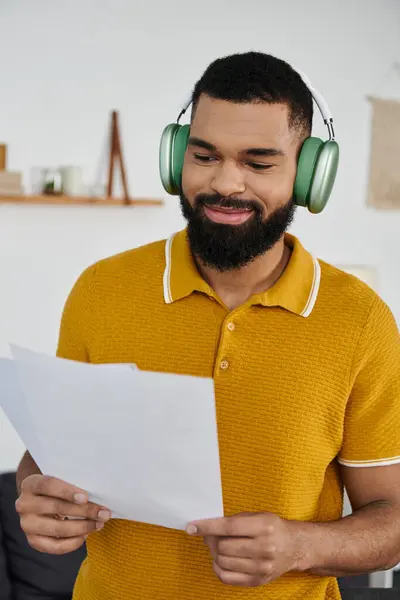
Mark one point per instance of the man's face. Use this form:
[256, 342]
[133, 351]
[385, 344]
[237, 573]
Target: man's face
[237, 180]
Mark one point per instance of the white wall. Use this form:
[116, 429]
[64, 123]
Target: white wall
[66, 64]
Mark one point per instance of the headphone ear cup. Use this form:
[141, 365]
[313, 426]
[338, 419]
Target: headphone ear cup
[316, 173]
[172, 150]
[306, 164]
[178, 156]
[324, 177]
[165, 156]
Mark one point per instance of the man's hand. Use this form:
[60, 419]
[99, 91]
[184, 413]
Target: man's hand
[44, 506]
[249, 549]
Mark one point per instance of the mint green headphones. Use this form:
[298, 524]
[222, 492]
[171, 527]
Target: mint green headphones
[316, 170]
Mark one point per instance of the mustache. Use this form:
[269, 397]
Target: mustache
[222, 202]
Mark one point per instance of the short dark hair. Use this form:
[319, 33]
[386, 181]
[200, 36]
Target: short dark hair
[258, 77]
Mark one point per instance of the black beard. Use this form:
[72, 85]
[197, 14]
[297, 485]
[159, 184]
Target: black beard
[230, 247]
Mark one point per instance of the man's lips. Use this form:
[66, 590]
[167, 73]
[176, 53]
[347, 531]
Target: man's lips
[227, 215]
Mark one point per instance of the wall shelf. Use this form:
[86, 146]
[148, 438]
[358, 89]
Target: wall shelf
[75, 200]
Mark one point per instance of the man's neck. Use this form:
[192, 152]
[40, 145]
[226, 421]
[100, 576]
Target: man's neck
[236, 287]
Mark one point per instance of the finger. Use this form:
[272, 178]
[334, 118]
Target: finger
[235, 578]
[42, 505]
[242, 525]
[212, 543]
[246, 547]
[50, 527]
[53, 546]
[244, 565]
[42, 485]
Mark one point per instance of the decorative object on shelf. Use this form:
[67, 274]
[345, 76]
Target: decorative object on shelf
[51, 181]
[72, 181]
[3, 157]
[10, 182]
[116, 155]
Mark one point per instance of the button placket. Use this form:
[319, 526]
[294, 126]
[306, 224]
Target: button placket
[226, 346]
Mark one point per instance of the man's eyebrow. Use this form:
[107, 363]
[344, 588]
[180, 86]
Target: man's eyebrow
[264, 152]
[195, 141]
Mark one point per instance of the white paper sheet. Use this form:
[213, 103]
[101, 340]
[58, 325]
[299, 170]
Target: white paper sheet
[143, 444]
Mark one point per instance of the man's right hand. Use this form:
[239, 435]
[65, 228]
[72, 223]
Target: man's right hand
[43, 506]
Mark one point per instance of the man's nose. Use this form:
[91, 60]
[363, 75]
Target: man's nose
[228, 179]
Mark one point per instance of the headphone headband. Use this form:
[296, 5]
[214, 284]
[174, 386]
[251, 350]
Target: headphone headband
[317, 97]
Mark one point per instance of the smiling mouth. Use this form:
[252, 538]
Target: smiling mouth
[228, 215]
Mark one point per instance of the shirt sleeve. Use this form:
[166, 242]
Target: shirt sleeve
[371, 434]
[78, 320]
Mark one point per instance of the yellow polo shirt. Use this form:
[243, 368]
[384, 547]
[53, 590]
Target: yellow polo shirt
[306, 377]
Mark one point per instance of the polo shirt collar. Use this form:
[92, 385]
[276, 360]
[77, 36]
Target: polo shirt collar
[296, 290]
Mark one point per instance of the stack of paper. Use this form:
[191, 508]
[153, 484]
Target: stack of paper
[143, 444]
[10, 183]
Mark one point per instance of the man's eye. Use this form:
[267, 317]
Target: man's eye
[204, 157]
[259, 166]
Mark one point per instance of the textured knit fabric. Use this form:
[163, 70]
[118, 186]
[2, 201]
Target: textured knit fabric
[306, 375]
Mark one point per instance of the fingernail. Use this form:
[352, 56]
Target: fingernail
[103, 515]
[80, 498]
[191, 529]
[99, 525]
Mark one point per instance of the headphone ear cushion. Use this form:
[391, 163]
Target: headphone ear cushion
[178, 156]
[324, 177]
[305, 169]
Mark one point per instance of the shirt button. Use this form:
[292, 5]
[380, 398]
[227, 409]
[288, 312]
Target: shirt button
[231, 326]
[224, 365]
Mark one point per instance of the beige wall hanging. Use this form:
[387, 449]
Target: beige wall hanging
[384, 167]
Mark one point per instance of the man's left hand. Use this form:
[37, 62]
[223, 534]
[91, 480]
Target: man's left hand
[249, 549]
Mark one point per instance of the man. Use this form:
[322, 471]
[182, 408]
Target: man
[305, 360]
